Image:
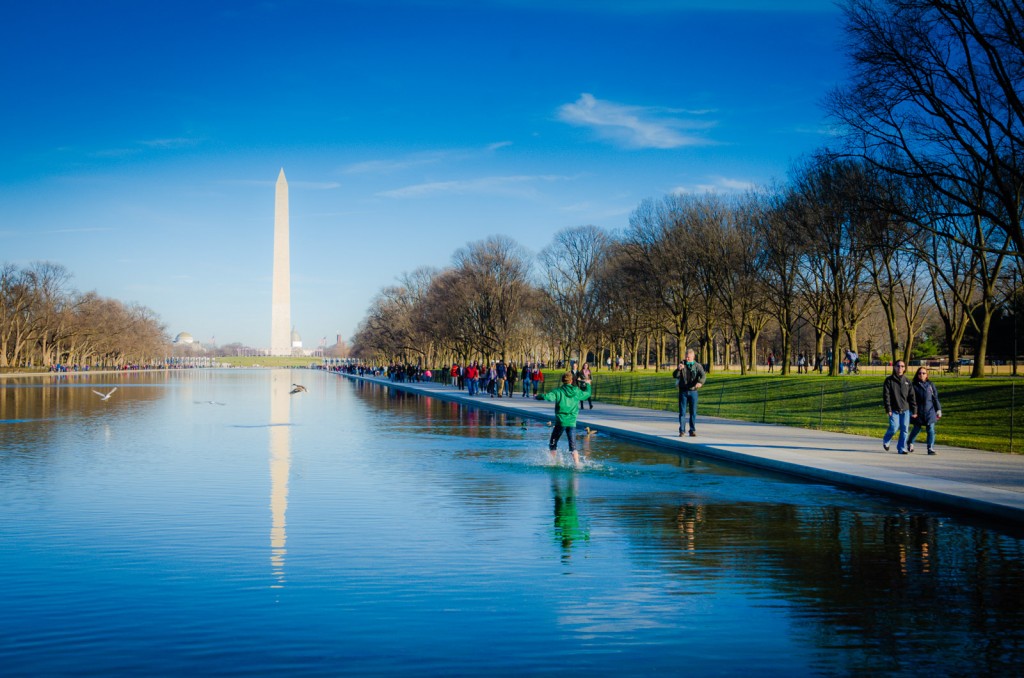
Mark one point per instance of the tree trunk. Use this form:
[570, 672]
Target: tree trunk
[755, 336]
[787, 350]
[741, 352]
[981, 345]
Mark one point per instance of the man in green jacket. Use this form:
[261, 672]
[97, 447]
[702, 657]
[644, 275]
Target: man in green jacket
[567, 399]
[690, 377]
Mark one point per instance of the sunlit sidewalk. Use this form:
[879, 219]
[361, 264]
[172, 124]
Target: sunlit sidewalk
[956, 478]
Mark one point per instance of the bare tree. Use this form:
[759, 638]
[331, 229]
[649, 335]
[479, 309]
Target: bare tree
[779, 273]
[15, 315]
[630, 313]
[571, 264]
[43, 321]
[833, 221]
[497, 273]
[660, 251]
[734, 258]
[936, 96]
[953, 273]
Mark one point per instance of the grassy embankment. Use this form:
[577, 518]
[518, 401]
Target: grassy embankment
[982, 414]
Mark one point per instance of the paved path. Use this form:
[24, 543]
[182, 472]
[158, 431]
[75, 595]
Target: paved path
[957, 478]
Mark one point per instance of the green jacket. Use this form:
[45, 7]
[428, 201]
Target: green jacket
[567, 399]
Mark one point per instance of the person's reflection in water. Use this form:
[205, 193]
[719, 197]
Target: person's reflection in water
[688, 517]
[568, 529]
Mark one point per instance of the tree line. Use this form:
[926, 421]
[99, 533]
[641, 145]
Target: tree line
[44, 322]
[916, 211]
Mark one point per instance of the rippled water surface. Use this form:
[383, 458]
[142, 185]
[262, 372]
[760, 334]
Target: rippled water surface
[211, 523]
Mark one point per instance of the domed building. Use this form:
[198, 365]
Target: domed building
[183, 338]
[296, 340]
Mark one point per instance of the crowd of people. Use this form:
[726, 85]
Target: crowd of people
[908, 403]
[498, 379]
[805, 362]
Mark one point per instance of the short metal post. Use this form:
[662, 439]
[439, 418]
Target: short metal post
[764, 404]
[821, 405]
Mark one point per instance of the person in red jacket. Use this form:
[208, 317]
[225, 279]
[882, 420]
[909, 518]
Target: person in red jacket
[472, 378]
[536, 378]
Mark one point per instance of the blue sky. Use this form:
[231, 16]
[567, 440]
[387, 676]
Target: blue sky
[141, 141]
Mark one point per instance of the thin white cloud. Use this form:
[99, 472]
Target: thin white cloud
[176, 142]
[717, 185]
[315, 185]
[413, 160]
[114, 152]
[309, 185]
[97, 229]
[735, 184]
[397, 165]
[825, 131]
[593, 212]
[635, 126]
[522, 185]
[143, 145]
[578, 207]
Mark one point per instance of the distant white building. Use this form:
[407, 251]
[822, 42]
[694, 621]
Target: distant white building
[183, 338]
[296, 340]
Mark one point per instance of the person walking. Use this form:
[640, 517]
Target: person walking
[536, 378]
[500, 372]
[525, 377]
[690, 377]
[510, 382]
[929, 410]
[585, 376]
[567, 399]
[900, 402]
[491, 377]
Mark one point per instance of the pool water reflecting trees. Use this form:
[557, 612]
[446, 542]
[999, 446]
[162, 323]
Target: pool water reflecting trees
[356, 529]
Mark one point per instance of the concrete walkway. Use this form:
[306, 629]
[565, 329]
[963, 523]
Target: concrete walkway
[989, 483]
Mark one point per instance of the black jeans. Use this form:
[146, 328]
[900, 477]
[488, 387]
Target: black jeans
[570, 435]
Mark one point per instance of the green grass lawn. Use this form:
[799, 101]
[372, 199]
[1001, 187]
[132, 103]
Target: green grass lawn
[976, 413]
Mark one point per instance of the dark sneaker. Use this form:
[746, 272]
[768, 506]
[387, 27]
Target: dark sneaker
[910, 448]
[693, 434]
[931, 451]
[900, 452]
[885, 446]
[680, 434]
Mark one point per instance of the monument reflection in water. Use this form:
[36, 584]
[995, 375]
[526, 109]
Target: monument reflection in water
[407, 535]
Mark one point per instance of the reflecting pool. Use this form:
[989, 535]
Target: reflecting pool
[210, 522]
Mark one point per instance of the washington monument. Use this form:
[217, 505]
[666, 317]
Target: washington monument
[281, 309]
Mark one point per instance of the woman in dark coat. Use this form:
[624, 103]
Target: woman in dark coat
[929, 410]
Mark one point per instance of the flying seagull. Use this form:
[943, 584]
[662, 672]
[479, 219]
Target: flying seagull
[105, 396]
[297, 388]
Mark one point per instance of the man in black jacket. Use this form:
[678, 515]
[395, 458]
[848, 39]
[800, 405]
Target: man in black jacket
[900, 405]
[690, 377]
